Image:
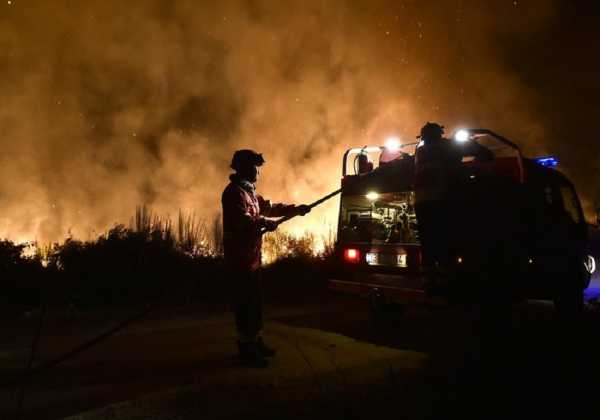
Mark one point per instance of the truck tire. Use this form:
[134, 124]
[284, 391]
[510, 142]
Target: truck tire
[383, 312]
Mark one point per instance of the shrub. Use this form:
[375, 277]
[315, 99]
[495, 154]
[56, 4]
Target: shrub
[20, 274]
[145, 260]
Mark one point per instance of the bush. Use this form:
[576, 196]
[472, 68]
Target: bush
[20, 275]
[143, 261]
[147, 259]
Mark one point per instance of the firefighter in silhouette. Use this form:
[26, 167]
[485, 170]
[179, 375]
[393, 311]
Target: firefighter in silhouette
[246, 216]
[438, 176]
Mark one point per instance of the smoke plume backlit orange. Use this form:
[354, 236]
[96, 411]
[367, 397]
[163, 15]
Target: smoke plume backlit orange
[109, 105]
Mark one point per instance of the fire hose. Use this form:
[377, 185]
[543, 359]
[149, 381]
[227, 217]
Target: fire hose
[310, 206]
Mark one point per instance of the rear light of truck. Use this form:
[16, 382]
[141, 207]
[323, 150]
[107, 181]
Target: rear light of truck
[351, 255]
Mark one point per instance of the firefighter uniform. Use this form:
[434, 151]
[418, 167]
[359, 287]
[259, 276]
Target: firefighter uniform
[244, 213]
[245, 218]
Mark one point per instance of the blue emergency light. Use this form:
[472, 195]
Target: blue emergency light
[548, 162]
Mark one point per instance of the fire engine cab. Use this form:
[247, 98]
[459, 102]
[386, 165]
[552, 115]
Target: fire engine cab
[519, 230]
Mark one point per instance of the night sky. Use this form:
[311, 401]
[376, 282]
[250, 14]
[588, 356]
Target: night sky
[111, 104]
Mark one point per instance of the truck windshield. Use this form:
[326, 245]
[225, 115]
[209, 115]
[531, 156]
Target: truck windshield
[379, 218]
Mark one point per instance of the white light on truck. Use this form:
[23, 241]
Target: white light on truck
[461, 136]
[392, 144]
[372, 195]
[590, 264]
[371, 258]
[401, 260]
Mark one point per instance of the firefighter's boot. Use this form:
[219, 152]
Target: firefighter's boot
[265, 350]
[251, 356]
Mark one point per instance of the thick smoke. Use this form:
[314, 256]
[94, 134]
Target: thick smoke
[111, 104]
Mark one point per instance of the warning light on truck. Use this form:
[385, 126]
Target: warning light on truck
[392, 144]
[549, 161]
[461, 136]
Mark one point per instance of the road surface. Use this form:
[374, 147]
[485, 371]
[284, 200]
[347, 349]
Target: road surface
[478, 364]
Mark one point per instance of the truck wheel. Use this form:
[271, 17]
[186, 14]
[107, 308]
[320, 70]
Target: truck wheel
[382, 311]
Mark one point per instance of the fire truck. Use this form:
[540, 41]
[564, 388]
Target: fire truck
[519, 230]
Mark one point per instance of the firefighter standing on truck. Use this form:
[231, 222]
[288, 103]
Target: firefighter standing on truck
[437, 163]
[438, 171]
[245, 218]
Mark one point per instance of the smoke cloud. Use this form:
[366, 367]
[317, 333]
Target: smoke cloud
[110, 104]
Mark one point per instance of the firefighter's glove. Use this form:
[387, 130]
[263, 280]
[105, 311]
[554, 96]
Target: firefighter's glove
[302, 209]
[270, 225]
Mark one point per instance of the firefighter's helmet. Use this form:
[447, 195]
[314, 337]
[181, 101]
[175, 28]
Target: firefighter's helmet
[432, 131]
[245, 157]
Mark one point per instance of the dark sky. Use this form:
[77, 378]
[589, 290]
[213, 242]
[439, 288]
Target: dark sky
[110, 104]
[562, 64]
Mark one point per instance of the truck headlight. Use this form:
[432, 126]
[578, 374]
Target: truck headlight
[589, 263]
